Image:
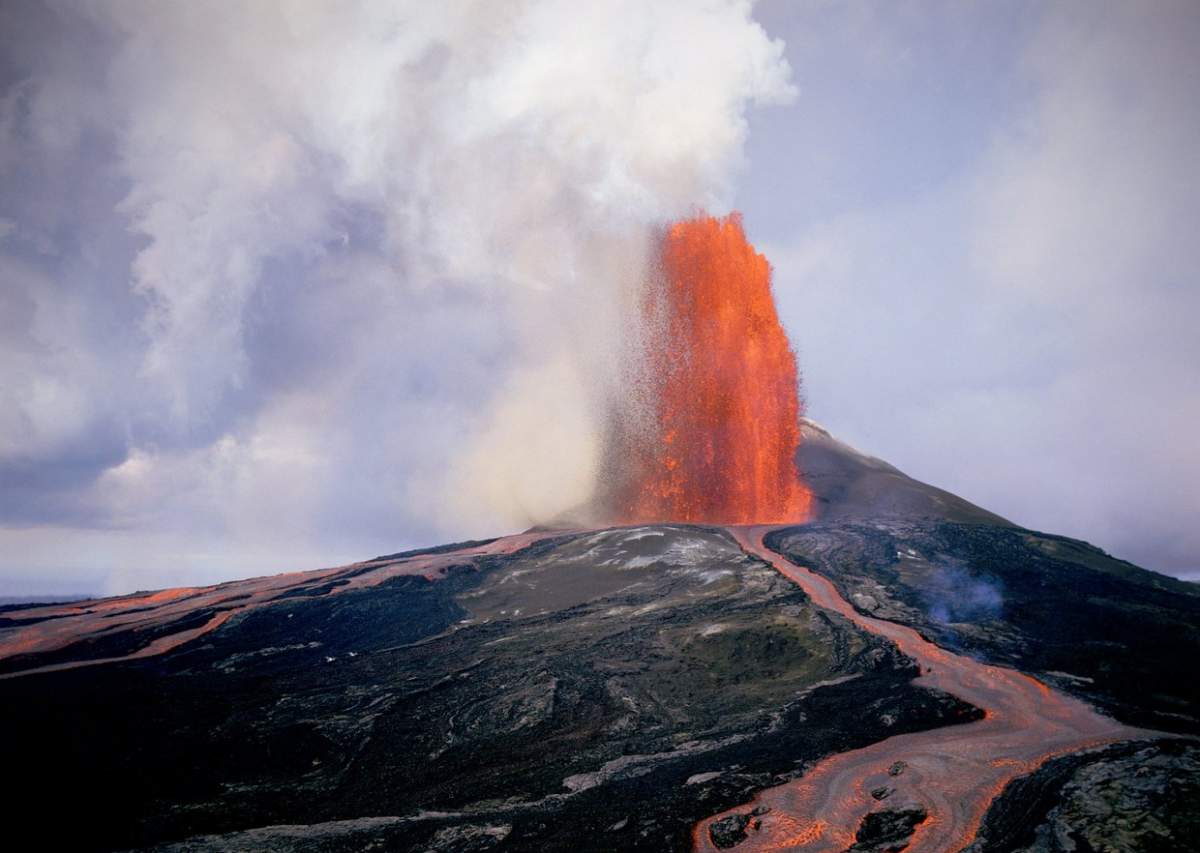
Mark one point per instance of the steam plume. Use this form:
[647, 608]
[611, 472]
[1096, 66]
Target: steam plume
[356, 247]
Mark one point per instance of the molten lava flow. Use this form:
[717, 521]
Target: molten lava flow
[719, 379]
[953, 773]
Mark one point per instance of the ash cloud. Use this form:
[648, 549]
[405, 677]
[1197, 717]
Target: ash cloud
[269, 274]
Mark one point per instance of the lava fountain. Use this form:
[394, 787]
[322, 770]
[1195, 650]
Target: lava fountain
[718, 390]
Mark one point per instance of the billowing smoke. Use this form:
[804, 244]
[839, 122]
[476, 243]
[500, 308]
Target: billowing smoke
[297, 278]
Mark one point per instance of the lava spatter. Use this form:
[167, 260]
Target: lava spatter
[719, 380]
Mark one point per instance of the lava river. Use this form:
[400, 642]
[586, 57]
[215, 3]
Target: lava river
[953, 773]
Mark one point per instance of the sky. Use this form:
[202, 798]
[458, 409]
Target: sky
[286, 285]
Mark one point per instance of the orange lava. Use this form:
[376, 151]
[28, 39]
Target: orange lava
[720, 379]
[954, 772]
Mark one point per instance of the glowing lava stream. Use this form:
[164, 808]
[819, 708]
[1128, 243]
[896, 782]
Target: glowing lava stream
[953, 772]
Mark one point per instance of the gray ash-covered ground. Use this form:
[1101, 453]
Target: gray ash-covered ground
[598, 691]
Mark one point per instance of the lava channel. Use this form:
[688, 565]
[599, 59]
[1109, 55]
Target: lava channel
[953, 773]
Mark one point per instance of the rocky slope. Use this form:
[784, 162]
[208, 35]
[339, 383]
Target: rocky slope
[594, 691]
[589, 690]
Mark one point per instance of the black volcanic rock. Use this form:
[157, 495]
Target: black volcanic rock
[887, 831]
[1131, 797]
[730, 831]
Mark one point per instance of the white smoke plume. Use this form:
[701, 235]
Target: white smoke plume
[337, 275]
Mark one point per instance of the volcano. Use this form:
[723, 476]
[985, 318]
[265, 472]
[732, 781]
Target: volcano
[901, 671]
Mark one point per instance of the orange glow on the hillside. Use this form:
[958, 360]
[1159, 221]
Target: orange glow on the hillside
[720, 441]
